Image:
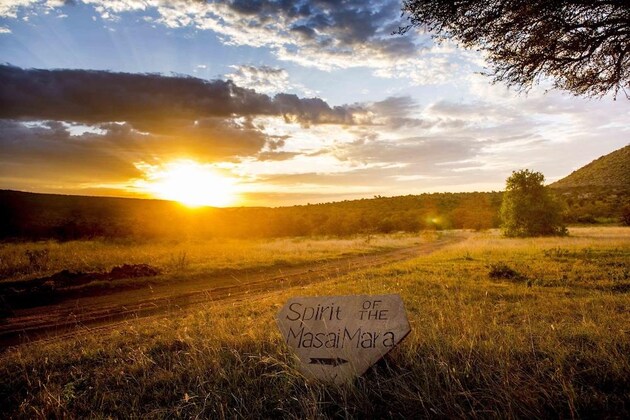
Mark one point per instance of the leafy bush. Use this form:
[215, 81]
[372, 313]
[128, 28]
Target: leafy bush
[528, 209]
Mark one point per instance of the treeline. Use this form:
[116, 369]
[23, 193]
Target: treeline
[45, 216]
[376, 215]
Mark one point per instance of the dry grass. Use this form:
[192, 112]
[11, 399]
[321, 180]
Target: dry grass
[33, 259]
[480, 347]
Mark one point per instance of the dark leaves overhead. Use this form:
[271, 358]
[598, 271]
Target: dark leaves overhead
[584, 46]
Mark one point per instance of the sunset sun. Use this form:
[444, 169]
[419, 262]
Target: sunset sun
[191, 184]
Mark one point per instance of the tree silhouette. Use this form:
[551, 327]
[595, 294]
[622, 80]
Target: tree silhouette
[583, 46]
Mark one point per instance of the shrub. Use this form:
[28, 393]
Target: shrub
[528, 209]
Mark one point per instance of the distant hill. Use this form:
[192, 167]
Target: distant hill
[611, 170]
[598, 192]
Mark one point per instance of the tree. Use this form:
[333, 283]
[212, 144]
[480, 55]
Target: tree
[584, 46]
[528, 209]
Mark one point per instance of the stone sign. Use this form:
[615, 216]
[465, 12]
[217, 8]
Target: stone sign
[339, 337]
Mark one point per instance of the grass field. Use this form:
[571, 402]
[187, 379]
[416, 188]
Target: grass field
[32, 259]
[500, 328]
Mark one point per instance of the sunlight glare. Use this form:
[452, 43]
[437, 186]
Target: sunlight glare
[191, 184]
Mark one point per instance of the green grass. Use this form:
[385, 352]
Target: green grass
[553, 342]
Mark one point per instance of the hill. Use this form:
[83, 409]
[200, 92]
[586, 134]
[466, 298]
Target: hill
[611, 170]
[597, 192]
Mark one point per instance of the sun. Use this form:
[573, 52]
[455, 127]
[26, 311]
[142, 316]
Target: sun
[191, 184]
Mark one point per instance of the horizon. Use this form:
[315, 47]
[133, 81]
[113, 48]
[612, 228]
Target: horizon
[139, 197]
[262, 105]
[195, 207]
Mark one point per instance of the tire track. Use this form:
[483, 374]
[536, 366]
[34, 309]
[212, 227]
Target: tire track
[78, 316]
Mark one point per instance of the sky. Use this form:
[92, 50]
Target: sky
[269, 103]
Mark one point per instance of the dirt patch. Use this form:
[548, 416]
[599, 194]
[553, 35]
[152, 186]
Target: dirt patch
[127, 271]
[65, 283]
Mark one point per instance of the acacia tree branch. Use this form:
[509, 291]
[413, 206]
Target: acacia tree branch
[582, 45]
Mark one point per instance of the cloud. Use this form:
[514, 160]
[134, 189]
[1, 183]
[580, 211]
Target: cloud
[329, 35]
[11, 8]
[136, 117]
[423, 152]
[100, 96]
[396, 113]
[395, 106]
[276, 156]
[46, 152]
[265, 79]
[91, 127]
[400, 112]
[316, 33]
[211, 139]
[45, 156]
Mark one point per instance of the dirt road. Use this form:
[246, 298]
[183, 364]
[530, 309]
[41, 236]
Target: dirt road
[79, 315]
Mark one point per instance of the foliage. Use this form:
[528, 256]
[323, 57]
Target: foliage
[528, 209]
[584, 46]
